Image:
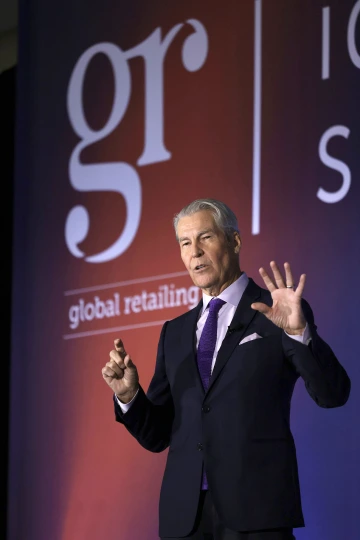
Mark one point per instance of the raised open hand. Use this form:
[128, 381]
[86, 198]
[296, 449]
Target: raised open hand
[286, 311]
[121, 374]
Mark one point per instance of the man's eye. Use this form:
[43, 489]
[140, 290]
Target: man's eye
[185, 244]
[206, 237]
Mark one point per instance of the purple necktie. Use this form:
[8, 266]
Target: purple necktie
[206, 348]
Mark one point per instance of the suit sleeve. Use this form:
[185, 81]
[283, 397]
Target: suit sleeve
[326, 380]
[151, 415]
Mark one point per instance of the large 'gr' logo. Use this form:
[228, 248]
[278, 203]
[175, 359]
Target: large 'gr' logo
[121, 177]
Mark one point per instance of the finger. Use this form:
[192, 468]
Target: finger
[116, 368]
[267, 280]
[118, 358]
[107, 372]
[277, 275]
[301, 285]
[262, 308]
[288, 275]
[119, 346]
[128, 362]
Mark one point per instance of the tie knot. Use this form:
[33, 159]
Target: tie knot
[215, 305]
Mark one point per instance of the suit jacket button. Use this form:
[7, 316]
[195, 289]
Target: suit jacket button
[200, 446]
[205, 408]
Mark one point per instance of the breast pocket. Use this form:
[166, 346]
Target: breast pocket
[258, 362]
[260, 342]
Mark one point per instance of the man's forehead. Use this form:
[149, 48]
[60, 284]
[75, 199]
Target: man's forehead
[199, 220]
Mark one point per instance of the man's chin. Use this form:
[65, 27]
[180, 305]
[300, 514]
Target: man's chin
[203, 283]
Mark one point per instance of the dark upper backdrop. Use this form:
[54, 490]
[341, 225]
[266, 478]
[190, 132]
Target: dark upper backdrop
[7, 100]
[125, 113]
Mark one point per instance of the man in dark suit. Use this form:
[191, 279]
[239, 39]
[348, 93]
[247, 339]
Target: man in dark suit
[220, 396]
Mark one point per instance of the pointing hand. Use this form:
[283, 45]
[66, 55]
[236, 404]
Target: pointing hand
[121, 374]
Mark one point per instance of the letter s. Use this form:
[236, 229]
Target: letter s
[119, 177]
[335, 164]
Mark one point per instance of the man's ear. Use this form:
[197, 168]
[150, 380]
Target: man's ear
[237, 242]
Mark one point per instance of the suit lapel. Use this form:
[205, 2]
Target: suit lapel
[189, 341]
[241, 320]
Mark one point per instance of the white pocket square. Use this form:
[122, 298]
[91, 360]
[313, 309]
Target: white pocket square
[250, 338]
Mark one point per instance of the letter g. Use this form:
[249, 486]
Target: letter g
[119, 177]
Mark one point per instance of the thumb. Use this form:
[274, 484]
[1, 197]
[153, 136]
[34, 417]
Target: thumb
[129, 363]
[262, 308]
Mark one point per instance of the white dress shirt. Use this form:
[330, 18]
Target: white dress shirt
[232, 296]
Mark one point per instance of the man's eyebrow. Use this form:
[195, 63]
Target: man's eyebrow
[205, 232]
[182, 238]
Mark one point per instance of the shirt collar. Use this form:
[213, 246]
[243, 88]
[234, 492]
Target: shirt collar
[232, 294]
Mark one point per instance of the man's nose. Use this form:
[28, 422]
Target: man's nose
[196, 250]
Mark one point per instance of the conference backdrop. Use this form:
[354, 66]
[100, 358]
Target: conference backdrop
[127, 111]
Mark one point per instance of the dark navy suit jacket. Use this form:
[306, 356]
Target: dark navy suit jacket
[240, 428]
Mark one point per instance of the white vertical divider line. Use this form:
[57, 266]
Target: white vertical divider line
[325, 61]
[257, 120]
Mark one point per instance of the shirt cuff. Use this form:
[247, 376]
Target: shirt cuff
[304, 338]
[126, 406]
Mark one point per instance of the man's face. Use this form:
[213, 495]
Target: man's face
[211, 259]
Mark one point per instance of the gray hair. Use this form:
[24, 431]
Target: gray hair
[224, 217]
